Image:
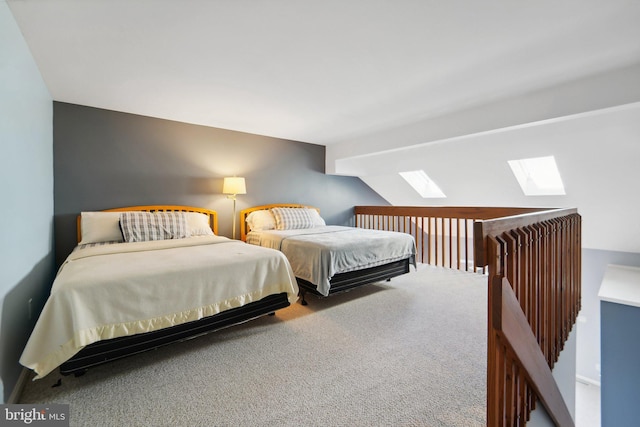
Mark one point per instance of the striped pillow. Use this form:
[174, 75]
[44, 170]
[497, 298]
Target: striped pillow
[292, 218]
[94, 244]
[145, 226]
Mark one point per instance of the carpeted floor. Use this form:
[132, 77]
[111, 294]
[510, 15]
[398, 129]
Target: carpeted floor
[410, 352]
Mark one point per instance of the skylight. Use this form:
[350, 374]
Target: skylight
[422, 184]
[538, 176]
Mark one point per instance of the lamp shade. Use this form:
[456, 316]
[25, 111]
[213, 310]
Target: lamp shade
[234, 185]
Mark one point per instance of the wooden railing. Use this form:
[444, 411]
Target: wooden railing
[533, 261]
[443, 235]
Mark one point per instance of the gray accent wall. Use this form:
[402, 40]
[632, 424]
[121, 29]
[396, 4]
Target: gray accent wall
[105, 159]
[26, 191]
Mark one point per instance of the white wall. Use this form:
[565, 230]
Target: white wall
[592, 127]
[564, 372]
[26, 191]
[596, 153]
[608, 89]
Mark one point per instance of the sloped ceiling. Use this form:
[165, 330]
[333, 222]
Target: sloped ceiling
[453, 87]
[323, 72]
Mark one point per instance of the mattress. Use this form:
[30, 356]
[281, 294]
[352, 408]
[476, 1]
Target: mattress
[120, 289]
[317, 254]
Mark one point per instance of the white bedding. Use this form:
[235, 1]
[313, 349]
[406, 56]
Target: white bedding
[317, 254]
[121, 289]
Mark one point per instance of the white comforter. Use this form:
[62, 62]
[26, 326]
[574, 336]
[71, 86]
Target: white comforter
[128, 288]
[317, 254]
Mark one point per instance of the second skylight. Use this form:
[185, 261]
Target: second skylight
[538, 176]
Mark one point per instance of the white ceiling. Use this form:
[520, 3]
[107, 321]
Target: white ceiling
[318, 71]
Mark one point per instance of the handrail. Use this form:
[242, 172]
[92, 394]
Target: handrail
[479, 212]
[443, 234]
[537, 253]
[497, 225]
[540, 259]
[513, 331]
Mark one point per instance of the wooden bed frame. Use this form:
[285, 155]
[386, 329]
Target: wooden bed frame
[116, 348]
[342, 281]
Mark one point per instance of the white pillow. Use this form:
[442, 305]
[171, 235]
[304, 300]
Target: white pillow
[261, 220]
[198, 224]
[316, 219]
[99, 227]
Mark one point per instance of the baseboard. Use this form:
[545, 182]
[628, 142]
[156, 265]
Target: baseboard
[586, 380]
[20, 384]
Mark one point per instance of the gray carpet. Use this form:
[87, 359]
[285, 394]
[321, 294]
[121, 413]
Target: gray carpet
[410, 352]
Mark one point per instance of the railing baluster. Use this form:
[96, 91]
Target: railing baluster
[458, 245]
[422, 241]
[429, 238]
[541, 260]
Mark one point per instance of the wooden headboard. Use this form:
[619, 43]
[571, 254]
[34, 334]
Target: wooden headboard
[213, 215]
[245, 212]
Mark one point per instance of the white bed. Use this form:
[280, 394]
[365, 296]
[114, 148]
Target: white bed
[105, 291]
[327, 259]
